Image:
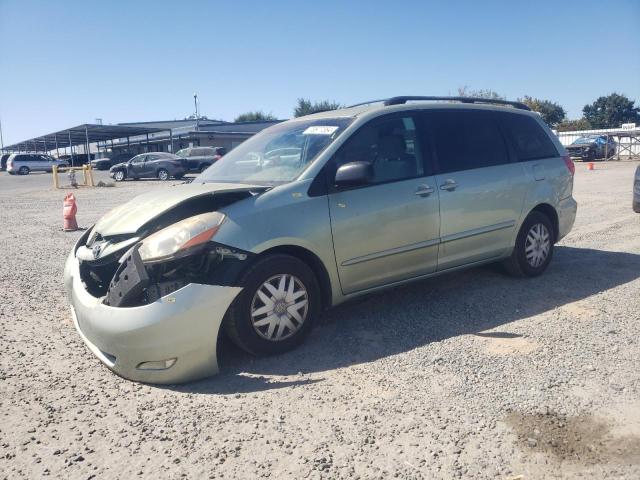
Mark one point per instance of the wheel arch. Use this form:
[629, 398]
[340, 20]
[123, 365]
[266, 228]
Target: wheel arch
[551, 214]
[312, 261]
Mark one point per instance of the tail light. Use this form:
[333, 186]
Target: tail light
[569, 163]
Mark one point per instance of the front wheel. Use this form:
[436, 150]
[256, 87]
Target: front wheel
[534, 247]
[276, 309]
[119, 176]
[163, 174]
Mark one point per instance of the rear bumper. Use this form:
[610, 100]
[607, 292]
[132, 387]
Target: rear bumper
[567, 210]
[183, 325]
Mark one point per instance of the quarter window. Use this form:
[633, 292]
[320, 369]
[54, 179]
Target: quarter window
[465, 140]
[390, 145]
[527, 136]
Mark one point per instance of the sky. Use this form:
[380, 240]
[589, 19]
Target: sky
[68, 62]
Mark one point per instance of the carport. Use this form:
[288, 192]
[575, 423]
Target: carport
[85, 135]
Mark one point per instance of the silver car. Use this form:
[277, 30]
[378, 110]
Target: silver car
[25, 163]
[310, 213]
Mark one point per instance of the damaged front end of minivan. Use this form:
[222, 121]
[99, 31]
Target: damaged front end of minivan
[149, 286]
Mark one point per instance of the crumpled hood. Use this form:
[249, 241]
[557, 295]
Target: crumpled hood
[131, 216]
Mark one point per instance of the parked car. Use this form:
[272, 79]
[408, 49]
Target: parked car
[158, 165]
[77, 159]
[636, 191]
[310, 213]
[25, 163]
[107, 162]
[592, 147]
[201, 158]
[3, 161]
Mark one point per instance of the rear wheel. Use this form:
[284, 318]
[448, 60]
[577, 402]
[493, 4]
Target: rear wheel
[24, 170]
[119, 176]
[163, 174]
[534, 247]
[278, 304]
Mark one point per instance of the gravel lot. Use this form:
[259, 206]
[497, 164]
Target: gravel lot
[470, 375]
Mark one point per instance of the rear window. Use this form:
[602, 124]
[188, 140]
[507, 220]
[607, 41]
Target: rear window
[527, 136]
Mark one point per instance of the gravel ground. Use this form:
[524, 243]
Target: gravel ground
[470, 375]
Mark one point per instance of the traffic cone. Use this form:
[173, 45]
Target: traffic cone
[590, 166]
[69, 209]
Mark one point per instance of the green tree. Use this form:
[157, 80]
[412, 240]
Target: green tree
[552, 113]
[257, 116]
[306, 107]
[611, 111]
[573, 125]
[482, 93]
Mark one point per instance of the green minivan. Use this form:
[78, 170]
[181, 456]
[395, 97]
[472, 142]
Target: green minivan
[310, 213]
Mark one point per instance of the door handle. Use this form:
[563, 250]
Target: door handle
[424, 191]
[449, 185]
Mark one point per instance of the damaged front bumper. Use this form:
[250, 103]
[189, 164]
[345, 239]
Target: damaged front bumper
[171, 340]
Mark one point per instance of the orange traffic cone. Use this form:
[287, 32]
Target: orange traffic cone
[69, 209]
[590, 166]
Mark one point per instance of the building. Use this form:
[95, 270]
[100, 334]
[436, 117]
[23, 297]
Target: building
[140, 137]
[178, 134]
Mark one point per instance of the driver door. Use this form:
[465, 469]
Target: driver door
[386, 231]
[138, 165]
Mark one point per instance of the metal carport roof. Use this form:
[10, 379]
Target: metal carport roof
[80, 135]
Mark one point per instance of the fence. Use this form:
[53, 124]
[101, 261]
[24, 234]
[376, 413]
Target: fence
[628, 141]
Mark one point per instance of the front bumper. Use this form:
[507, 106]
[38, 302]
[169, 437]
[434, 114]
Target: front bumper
[183, 325]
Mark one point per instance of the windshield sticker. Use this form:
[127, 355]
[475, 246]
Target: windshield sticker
[320, 130]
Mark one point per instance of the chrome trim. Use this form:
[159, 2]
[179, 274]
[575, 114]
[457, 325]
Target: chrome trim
[477, 231]
[391, 251]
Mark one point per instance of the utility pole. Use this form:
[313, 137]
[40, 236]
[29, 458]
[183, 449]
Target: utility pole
[195, 102]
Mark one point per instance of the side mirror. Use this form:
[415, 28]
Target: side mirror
[354, 174]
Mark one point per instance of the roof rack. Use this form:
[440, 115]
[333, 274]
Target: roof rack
[404, 99]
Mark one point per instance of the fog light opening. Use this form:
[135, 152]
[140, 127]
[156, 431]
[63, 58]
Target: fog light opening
[157, 365]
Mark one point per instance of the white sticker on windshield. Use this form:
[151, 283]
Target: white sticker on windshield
[320, 130]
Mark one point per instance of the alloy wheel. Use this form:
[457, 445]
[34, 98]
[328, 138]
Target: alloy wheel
[537, 245]
[279, 307]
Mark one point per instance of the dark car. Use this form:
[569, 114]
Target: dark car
[107, 162]
[201, 158]
[636, 191]
[3, 161]
[592, 147]
[150, 165]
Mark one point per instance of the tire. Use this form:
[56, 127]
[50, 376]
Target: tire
[24, 170]
[163, 174]
[262, 338]
[119, 176]
[531, 240]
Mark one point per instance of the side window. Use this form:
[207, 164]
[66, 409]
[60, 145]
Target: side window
[390, 145]
[196, 152]
[527, 136]
[138, 160]
[465, 140]
[152, 157]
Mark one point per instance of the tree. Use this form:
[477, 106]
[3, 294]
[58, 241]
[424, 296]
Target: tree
[551, 112]
[305, 107]
[482, 93]
[574, 125]
[611, 111]
[257, 116]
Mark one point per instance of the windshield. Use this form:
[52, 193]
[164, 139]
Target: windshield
[584, 140]
[183, 153]
[276, 155]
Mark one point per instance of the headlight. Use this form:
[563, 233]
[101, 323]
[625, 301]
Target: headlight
[182, 238]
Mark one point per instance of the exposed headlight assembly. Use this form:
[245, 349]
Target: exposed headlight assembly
[180, 239]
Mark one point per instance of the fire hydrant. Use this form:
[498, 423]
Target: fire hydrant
[69, 209]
